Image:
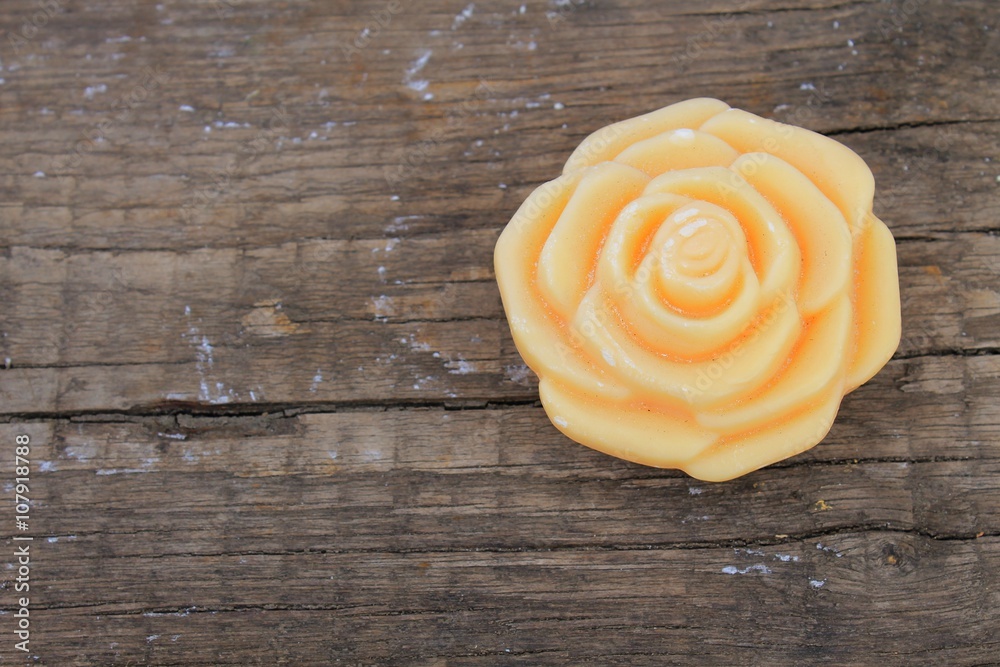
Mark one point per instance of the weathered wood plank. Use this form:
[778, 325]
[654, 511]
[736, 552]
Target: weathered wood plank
[498, 441]
[921, 409]
[416, 319]
[375, 506]
[776, 606]
[501, 510]
[272, 182]
[929, 179]
[923, 458]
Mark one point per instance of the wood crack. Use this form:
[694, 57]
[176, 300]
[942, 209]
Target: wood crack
[949, 352]
[878, 527]
[264, 409]
[261, 407]
[928, 236]
[905, 125]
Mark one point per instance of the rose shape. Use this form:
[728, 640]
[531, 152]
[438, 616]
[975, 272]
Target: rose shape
[700, 288]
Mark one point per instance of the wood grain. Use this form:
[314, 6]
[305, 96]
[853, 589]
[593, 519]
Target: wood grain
[418, 323]
[251, 327]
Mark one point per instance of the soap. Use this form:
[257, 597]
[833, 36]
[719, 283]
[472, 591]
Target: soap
[700, 288]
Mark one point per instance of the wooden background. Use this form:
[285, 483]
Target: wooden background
[250, 324]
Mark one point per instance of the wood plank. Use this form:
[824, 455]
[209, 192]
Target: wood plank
[431, 523]
[784, 606]
[929, 179]
[412, 320]
[504, 509]
[273, 182]
[501, 479]
[921, 409]
[461, 534]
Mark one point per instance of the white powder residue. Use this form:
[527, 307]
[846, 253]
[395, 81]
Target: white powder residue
[463, 16]
[831, 550]
[414, 69]
[732, 569]
[90, 91]
[517, 374]
[461, 367]
[383, 307]
[204, 361]
[421, 382]
[414, 344]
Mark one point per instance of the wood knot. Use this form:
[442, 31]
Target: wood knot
[267, 320]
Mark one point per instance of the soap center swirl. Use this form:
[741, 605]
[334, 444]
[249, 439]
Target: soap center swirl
[696, 254]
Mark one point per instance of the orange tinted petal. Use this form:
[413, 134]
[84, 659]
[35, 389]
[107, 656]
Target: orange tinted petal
[608, 142]
[876, 302]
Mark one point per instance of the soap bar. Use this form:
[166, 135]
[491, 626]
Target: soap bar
[700, 288]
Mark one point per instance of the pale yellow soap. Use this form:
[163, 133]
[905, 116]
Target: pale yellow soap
[700, 288]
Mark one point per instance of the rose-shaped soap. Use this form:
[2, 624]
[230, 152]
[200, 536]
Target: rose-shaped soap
[700, 288]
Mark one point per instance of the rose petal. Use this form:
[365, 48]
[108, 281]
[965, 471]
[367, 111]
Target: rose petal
[539, 335]
[822, 233]
[876, 302]
[610, 141]
[734, 371]
[738, 455]
[773, 251]
[648, 434]
[835, 169]
[698, 261]
[630, 234]
[566, 262]
[635, 296]
[817, 364]
[678, 334]
[678, 149]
